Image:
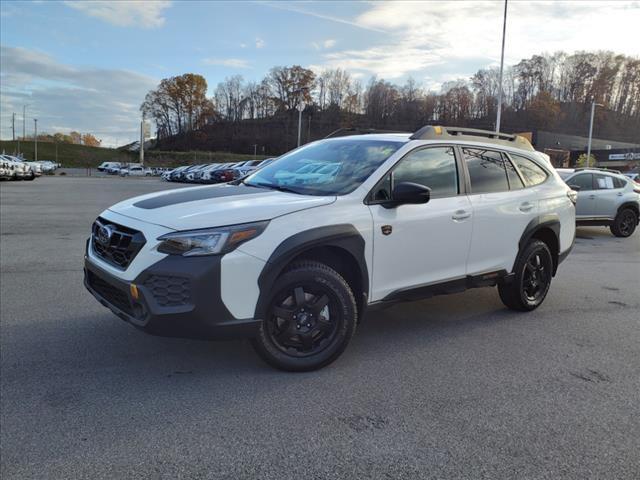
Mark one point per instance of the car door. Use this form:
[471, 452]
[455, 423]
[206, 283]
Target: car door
[502, 209]
[586, 204]
[608, 192]
[418, 245]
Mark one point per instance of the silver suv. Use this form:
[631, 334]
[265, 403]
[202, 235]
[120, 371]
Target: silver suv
[605, 198]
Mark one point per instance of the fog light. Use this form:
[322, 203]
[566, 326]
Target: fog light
[134, 291]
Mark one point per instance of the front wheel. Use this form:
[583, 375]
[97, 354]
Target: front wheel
[533, 271]
[625, 223]
[311, 318]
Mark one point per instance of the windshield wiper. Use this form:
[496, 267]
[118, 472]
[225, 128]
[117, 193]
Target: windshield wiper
[273, 186]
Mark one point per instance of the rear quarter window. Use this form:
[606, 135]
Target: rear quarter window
[531, 172]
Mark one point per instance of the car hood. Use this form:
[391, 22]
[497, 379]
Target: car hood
[215, 205]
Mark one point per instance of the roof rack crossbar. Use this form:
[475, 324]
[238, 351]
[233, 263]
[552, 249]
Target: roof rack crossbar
[432, 132]
[602, 169]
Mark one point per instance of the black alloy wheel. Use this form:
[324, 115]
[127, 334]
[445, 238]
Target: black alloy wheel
[625, 223]
[311, 318]
[533, 273]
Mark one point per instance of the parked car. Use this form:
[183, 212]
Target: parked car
[633, 176]
[7, 169]
[22, 169]
[104, 166]
[48, 166]
[605, 198]
[208, 175]
[135, 171]
[296, 266]
[193, 172]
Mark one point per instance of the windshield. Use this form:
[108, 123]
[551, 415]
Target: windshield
[329, 167]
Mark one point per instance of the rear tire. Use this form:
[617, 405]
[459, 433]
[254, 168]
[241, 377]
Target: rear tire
[533, 271]
[311, 318]
[625, 223]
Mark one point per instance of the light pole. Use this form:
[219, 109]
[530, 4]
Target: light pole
[35, 137]
[593, 111]
[24, 109]
[504, 31]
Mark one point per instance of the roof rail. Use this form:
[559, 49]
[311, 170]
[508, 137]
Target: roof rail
[344, 132]
[602, 169]
[433, 132]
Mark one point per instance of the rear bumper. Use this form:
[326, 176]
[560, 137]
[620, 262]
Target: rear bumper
[177, 297]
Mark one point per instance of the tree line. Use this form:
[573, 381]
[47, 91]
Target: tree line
[74, 138]
[547, 91]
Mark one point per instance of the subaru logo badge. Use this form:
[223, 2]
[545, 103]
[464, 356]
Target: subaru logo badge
[104, 234]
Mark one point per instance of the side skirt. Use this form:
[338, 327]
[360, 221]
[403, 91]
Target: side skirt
[490, 279]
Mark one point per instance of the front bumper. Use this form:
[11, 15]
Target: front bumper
[177, 297]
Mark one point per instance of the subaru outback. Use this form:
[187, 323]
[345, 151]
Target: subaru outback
[293, 260]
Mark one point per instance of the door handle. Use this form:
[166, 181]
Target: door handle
[526, 207]
[460, 215]
[620, 194]
[592, 197]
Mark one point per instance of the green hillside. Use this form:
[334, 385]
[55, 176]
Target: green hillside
[70, 155]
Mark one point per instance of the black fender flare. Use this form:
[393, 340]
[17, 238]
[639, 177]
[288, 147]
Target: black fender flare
[343, 236]
[549, 221]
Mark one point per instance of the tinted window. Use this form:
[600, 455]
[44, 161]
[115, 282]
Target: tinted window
[486, 171]
[532, 173]
[328, 167]
[619, 182]
[584, 181]
[604, 182]
[515, 182]
[432, 167]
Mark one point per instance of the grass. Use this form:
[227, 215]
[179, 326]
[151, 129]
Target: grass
[70, 155]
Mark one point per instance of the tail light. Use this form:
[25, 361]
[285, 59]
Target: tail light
[573, 196]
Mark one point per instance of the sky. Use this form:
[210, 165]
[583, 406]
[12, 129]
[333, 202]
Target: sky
[87, 65]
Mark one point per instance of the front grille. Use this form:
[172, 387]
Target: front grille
[169, 291]
[120, 247]
[111, 294]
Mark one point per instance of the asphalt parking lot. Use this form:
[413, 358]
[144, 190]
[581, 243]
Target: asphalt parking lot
[451, 387]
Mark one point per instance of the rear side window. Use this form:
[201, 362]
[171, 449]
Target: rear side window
[532, 173]
[584, 181]
[604, 182]
[619, 182]
[486, 171]
[515, 182]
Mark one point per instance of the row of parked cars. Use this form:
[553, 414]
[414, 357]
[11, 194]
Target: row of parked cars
[17, 168]
[130, 169]
[214, 172]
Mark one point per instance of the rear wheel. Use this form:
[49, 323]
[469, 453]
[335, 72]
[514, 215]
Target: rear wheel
[533, 271]
[625, 223]
[311, 318]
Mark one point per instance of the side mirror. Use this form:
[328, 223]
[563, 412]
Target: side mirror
[575, 187]
[409, 193]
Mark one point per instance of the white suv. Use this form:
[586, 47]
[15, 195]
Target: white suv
[605, 198]
[293, 260]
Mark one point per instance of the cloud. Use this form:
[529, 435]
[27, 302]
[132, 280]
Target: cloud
[227, 62]
[420, 36]
[124, 13]
[104, 102]
[326, 44]
[292, 7]
[260, 43]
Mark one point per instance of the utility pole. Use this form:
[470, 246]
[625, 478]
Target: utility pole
[35, 137]
[255, 150]
[142, 142]
[24, 108]
[504, 31]
[593, 111]
[13, 126]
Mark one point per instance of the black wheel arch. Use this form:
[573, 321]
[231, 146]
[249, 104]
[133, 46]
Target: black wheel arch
[340, 247]
[547, 229]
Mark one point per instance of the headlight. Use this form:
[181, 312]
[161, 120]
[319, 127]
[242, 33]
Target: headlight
[211, 241]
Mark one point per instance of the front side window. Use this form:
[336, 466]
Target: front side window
[432, 167]
[486, 171]
[328, 167]
[532, 173]
[584, 181]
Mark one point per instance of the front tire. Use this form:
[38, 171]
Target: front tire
[625, 223]
[533, 271]
[311, 318]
